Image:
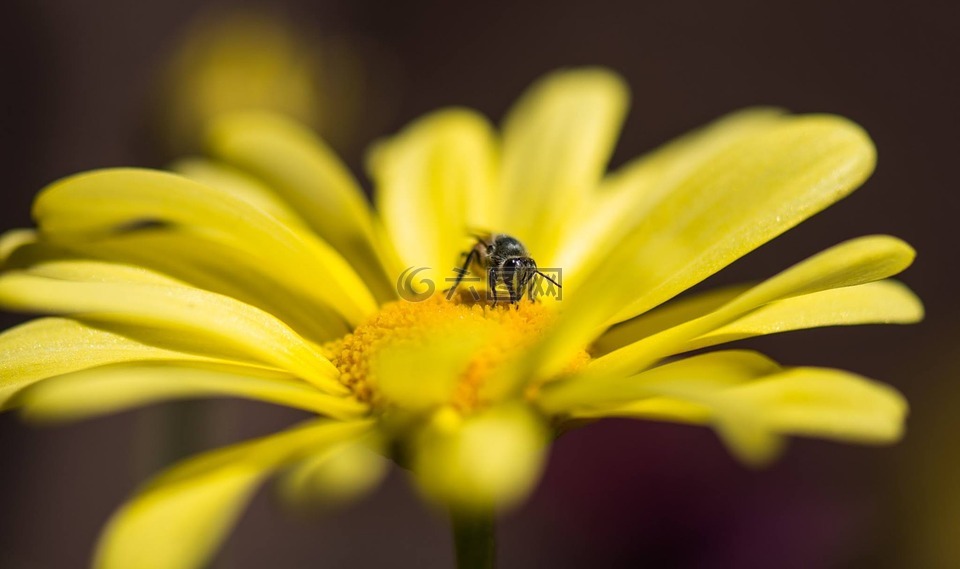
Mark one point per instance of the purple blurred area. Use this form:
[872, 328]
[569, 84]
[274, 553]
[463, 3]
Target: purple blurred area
[79, 82]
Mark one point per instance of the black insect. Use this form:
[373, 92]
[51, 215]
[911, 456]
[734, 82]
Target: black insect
[502, 259]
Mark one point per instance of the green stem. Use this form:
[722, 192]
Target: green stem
[475, 538]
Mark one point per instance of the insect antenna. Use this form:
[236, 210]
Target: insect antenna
[548, 278]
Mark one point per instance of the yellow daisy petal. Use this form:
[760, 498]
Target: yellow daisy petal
[180, 518]
[219, 268]
[687, 376]
[311, 178]
[753, 406]
[882, 302]
[667, 409]
[492, 458]
[557, 140]
[826, 403]
[28, 251]
[114, 388]
[434, 183]
[667, 316]
[13, 240]
[737, 200]
[670, 163]
[114, 293]
[238, 183]
[630, 194]
[851, 263]
[335, 477]
[101, 202]
[47, 347]
[741, 198]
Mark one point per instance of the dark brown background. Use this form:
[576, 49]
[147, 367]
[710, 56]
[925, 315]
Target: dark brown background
[77, 81]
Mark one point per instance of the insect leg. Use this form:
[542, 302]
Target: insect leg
[462, 272]
[531, 287]
[512, 287]
[492, 283]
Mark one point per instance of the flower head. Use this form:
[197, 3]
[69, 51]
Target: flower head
[255, 59]
[263, 273]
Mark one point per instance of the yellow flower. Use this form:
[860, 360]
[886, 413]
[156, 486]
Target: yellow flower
[235, 61]
[243, 59]
[264, 273]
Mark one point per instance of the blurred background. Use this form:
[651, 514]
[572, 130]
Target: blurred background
[90, 84]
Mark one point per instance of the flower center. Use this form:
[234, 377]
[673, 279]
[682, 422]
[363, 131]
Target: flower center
[481, 338]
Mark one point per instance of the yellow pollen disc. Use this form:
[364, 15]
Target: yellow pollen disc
[492, 336]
